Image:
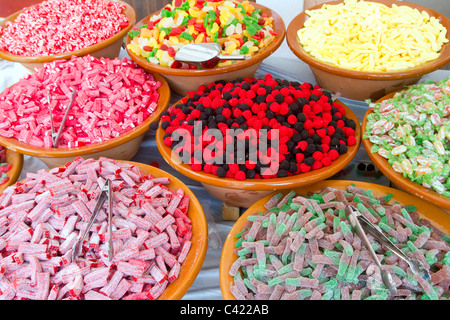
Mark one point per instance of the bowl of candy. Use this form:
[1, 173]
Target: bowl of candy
[59, 29]
[301, 244]
[147, 240]
[84, 106]
[10, 167]
[368, 54]
[257, 136]
[244, 28]
[414, 155]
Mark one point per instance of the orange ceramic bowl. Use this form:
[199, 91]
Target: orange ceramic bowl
[397, 178]
[183, 80]
[245, 192]
[362, 85]
[437, 217]
[194, 260]
[110, 48]
[16, 161]
[123, 147]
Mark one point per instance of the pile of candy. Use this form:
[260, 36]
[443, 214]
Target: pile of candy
[112, 98]
[60, 26]
[412, 130]
[311, 128]
[303, 247]
[4, 166]
[43, 216]
[238, 27]
[372, 36]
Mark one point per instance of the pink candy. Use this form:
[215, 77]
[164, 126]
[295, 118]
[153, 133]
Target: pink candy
[36, 244]
[60, 26]
[113, 97]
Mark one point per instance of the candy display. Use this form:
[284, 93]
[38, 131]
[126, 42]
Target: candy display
[303, 247]
[111, 98]
[237, 26]
[411, 131]
[294, 127]
[372, 36]
[60, 26]
[43, 215]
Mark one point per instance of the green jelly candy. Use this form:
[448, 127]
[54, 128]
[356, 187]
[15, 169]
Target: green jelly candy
[328, 295]
[275, 281]
[377, 297]
[306, 272]
[305, 293]
[331, 284]
[285, 269]
[249, 285]
[350, 275]
[342, 268]
[446, 259]
[292, 281]
[346, 229]
[431, 257]
[280, 229]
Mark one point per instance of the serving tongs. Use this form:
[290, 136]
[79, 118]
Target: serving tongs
[361, 223]
[355, 218]
[205, 55]
[106, 193]
[56, 135]
[416, 266]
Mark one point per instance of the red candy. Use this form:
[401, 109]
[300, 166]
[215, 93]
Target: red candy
[72, 25]
[302, 137]
[112, 97]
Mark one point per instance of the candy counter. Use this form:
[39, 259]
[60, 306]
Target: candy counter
[281, 64]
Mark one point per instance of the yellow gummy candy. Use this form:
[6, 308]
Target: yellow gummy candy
[146, 33]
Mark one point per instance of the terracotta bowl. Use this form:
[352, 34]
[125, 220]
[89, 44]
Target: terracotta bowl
[194, 260]
[244, 193]
[359, 85]
[123, 147]
[16, 161]
[437, 217]
[397, 178]
[182, 80]
[110, 48]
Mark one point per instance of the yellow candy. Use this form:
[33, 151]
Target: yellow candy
[370, 36]
[173, 40]
[145, 54]
[406, 166]
[200, 38]
[152, 42]
[230, 46]
[191, 29]
[162, 35]
[146, 33]
[194, 12]
[214, 28]
[134, 48]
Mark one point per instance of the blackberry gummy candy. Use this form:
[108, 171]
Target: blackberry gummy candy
[297, 124]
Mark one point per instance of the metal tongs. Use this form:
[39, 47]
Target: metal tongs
[105, 194]
[358, 222]
[361, 223]
[205, 54]
[56, 135]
